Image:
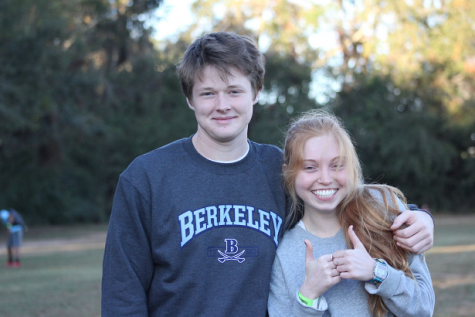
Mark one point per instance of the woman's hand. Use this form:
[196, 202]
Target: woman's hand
[320, 274]
[356, 263]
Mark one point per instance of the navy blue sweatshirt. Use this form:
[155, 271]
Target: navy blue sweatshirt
[192, 237]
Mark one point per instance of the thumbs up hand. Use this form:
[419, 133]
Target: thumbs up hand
[320, 274]
[356, 263]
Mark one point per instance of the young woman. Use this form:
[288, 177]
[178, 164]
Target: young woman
[338, 257]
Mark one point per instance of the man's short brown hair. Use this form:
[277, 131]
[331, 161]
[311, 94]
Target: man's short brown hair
[222, 50]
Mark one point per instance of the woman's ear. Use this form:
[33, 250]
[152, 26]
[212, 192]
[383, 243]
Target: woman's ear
[284, 167]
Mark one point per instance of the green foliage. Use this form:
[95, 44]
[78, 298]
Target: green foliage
[401, 141]
[285, 94]
[72, 74]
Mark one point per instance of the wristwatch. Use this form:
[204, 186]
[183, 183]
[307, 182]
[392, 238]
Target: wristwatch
[380, 271]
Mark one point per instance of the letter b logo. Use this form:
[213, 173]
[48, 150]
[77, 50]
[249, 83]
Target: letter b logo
[231, 246]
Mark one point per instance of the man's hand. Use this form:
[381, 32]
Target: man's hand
[418, 236]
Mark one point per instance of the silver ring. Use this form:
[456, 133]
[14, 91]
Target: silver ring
[332, 258]
[337, 263]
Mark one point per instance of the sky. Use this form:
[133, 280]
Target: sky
[173, 17]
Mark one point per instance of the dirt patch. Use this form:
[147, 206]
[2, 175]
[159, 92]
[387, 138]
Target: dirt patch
[452, 249]
[451, 280]
[89, 241]
[454, 220]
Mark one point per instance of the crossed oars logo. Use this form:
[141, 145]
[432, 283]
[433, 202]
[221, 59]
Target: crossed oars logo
[231, 258]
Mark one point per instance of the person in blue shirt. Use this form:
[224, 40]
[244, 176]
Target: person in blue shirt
[15, 226]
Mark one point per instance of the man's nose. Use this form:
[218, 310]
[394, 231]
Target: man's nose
[222, 102]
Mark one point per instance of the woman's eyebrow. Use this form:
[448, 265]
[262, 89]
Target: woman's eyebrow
[337, 158]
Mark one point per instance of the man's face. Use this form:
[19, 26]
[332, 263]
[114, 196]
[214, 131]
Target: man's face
[223, 110]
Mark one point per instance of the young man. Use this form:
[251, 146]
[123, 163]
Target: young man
[195, 224]
[15, 226]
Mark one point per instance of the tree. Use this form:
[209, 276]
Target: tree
[60, 64]
[399, 72]
[406, 145]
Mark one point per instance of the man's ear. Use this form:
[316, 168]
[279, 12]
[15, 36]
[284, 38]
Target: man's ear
[256, 99]
[190, 105]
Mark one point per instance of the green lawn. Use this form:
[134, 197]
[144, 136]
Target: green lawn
[453, 274]
[55, 284]
[453, 277]
[68, 283]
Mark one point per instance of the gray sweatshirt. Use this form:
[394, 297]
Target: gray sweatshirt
[401, 294]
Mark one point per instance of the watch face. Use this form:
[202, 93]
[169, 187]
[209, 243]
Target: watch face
[381, 271]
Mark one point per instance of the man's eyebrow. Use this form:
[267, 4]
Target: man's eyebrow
[235, 86]
[206, 88]
[227, 87]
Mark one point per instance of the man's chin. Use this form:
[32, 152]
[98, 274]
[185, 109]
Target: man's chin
[227, 137]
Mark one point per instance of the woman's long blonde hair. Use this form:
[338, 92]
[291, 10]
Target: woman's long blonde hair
[371, 218]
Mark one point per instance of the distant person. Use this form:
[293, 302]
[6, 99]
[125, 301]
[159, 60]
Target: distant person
[15, 227]
[195, 224]
[338, 257]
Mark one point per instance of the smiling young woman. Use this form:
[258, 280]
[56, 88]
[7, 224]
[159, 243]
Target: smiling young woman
[348, 223]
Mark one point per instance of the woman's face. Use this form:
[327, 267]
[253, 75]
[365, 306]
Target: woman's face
[322, 181]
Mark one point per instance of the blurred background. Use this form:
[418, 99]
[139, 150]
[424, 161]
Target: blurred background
[88, 85]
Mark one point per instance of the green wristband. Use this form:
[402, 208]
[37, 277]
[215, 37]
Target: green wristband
[305, 300]
[9, 225]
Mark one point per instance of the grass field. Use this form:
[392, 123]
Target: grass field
[61, 271]
[453, 269]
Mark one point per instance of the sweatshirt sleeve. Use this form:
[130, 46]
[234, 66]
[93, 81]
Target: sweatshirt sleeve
[284, 301]
[405, 296]
[128, 265]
